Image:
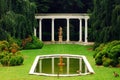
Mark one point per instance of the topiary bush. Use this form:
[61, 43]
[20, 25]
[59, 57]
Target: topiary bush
[108, 54]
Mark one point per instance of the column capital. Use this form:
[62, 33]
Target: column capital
[86, 18]
[67, 18]
[52, 18]
[80, 18]
[41, 19]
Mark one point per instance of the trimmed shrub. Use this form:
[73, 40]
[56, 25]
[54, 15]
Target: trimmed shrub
[10, 54]
[106, 62]
[5, 61]
[20, 60]
[98, 61]
[8, 59]
[13, 61]
[115, 51]
[98, 49]
[114, 62]
[96, 45]
[98, 58]
[108, 54]
[4, 45]
[16, 60]
[34, 44]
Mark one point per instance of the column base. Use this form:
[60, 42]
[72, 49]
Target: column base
[53, 41]
[80, 41]
[67, 41]
[85, 43]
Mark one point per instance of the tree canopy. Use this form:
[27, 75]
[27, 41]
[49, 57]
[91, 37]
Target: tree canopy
[17, 18]
[63, 6]
[105, 20]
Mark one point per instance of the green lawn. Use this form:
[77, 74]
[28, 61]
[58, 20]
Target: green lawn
[21, 72]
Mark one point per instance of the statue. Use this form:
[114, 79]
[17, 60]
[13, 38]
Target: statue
[60, 34]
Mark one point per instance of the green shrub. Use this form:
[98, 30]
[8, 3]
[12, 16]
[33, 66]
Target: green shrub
[4, 45]
[108, 54]
[13, 61]
[98, 61]
[10, 54]
[34, 44]
[16, 60]
[106, 62]
[18, 41]
[114, 62]
[98, 49]
[8, 59]
[96, 45]
[1, 56]
[14, 48]
[115, 51]
[5, 60]
[20, 60]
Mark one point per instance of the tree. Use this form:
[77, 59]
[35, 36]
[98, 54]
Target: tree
[17, 17]
[63, 6]
[105, 20]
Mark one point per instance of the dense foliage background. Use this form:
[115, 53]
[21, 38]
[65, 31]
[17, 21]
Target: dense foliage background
[16, 18]
[105, 21]
[63, 6]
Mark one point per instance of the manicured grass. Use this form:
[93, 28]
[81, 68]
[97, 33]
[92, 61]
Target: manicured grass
[21, 72]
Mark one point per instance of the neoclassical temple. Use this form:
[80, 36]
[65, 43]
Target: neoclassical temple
[66, 16]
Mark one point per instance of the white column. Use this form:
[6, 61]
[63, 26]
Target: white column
[85, 68]
[34, 31]
[52, 30]
[40, 65]
[80, 30]
[80, 65]
[86, 30]
[68, 60]
[40, 29]
[52, 65]
[68, 33]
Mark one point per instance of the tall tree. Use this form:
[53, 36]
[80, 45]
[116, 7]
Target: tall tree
[105, 20]
[17, 17]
